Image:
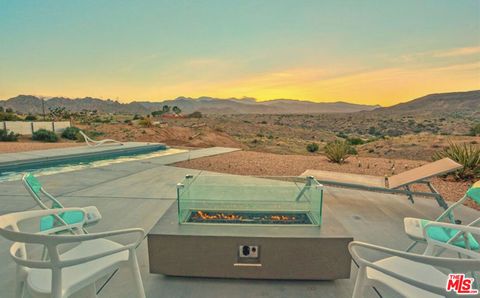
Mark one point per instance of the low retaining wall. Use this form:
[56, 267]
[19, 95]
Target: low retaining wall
[28, 127]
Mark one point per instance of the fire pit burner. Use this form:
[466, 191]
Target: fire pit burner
[249, 217]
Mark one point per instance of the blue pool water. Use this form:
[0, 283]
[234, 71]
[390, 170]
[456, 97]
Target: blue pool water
[49, 167]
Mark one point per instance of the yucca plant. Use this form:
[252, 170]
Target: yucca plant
[468, 155]
[338, 151]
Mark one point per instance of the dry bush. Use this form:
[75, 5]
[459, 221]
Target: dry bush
[146, 122]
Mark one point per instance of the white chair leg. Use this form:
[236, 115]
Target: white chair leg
[19, 288]
[21, 275]
[137, 278]
[360, 282]
[57, 283]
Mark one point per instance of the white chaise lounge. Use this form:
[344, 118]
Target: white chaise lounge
[399, 183]
[92, 143]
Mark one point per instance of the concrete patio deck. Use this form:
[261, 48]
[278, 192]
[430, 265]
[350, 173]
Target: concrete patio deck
[136, 194]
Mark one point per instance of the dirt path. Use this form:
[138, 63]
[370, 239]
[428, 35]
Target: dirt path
[12, 147]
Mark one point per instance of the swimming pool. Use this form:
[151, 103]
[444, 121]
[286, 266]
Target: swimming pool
[70, 163]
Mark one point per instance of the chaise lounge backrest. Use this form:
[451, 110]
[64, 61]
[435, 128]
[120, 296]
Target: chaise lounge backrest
[429, 170]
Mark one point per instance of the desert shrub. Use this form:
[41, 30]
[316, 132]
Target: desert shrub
[176, 110]
[475, 130]
[352, 151]
[9, 116]
[312, 147]
[342, 135]
[468, 155]
[30, 118]
[146, 122]
[71, 133]
[195, 114]
[394, 132]
[45, 135]
[338, 151]
[137, 117]
[355, 141]
[157, 113]
[6, 136]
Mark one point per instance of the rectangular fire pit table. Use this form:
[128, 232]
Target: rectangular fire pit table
[249, 227]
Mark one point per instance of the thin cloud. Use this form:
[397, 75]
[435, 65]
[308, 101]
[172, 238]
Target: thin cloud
[458, 52]
[450, 53]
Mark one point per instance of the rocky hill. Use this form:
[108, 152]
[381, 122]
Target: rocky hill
[454, 102]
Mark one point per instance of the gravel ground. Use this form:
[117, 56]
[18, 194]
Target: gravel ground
[9, 147]
[267, 164]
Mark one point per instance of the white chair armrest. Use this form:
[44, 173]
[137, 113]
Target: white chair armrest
[453, 264]
[363, 262]
[60, 239]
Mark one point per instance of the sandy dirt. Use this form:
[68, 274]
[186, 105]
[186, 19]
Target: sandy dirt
[22, 146]
[171, 135]
[267, 164]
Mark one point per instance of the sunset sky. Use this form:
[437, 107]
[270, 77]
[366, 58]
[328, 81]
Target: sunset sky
[371, 52]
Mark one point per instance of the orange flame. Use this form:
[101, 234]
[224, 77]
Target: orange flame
[206, 216]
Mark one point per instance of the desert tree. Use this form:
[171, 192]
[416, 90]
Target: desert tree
[176, 110]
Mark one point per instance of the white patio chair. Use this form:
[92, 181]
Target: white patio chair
[406, 274]
[92, 143]
[64, 274]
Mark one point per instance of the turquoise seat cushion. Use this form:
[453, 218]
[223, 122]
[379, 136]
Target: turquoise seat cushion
[444, 234]
[71, 217]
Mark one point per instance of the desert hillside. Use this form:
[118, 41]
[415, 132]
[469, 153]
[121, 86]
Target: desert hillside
[454, 102]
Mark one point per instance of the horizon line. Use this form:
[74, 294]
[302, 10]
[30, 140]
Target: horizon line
[234, 98]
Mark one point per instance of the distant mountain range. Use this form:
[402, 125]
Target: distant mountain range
[434, 103]
[207, 105]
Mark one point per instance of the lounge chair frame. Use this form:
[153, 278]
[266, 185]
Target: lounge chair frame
[449, 213]
[397, 184]
[92, 143]
[405, 191]
[93, 214]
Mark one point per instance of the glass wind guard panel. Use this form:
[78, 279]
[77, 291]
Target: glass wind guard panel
[232, 199]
